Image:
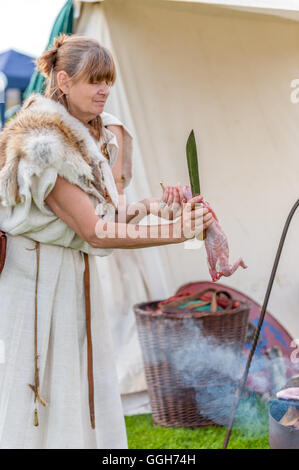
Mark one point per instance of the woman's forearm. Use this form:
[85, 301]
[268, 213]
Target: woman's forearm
[136, 211]
[130, 236]
[131, 213]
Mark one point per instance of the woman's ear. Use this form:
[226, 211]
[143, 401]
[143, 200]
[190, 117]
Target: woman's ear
[63, 81]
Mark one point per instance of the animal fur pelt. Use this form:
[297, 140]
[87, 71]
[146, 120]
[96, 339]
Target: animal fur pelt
[44, 134]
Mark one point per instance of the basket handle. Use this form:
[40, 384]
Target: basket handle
[214, 300]
[217, 293]
[183, 300]
[197, 295]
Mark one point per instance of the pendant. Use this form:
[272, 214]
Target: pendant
[104, 151]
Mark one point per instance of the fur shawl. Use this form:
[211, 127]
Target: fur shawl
[44, 134]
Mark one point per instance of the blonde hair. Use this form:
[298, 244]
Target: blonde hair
[81, 58]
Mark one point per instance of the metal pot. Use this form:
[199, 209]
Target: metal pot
[282, 437]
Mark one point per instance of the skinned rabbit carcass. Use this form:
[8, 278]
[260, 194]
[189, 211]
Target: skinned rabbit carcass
[216, 245]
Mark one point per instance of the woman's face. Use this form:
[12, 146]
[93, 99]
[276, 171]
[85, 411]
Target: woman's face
[87, 100]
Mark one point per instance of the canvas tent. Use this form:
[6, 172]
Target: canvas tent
[227, 72]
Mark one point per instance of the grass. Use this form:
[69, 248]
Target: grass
[143, 434]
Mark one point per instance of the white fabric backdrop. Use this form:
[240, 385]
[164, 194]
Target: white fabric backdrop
[271, 4]
[227, 75]
[283, 8]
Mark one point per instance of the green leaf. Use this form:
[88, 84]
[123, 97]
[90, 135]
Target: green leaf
[191, 153]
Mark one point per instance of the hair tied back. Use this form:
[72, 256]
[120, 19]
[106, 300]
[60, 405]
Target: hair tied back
[47, 61]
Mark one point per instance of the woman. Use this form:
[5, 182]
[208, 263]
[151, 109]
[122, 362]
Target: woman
[58, 386]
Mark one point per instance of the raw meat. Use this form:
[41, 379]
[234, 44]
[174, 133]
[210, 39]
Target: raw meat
[216, 246]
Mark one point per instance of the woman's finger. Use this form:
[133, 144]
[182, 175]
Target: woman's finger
[170, 196]
[187, 192]
[208, 217]
[207, 224]
[176, 198]
[195, 200]
[181, 192]
[165, 195]
[199, 212]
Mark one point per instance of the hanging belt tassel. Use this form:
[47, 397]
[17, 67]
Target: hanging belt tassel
[35, 387]
[37, 395]
[35, 417]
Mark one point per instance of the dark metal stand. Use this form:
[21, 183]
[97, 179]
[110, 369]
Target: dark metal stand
[240, 388]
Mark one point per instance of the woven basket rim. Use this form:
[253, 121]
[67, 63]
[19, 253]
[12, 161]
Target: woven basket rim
[175, 313]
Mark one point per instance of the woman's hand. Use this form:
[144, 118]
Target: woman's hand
[194, 219]
[171, 202]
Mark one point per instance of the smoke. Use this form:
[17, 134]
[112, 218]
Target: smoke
[213, 370]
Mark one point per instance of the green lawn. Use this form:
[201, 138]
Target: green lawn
[142, 434]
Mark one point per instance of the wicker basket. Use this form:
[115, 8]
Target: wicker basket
[173, 402]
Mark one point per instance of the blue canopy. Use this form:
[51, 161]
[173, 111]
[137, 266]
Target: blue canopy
[18, 69]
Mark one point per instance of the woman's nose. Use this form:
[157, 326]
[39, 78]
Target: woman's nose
[104, 89]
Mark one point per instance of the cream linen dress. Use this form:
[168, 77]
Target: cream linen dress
[65, 422]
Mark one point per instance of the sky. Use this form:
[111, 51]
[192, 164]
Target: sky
[25, 25]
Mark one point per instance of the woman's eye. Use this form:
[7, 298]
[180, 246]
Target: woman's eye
[105, 81]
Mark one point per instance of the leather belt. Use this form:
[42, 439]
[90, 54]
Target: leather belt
[3, 241]
[89, 341]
